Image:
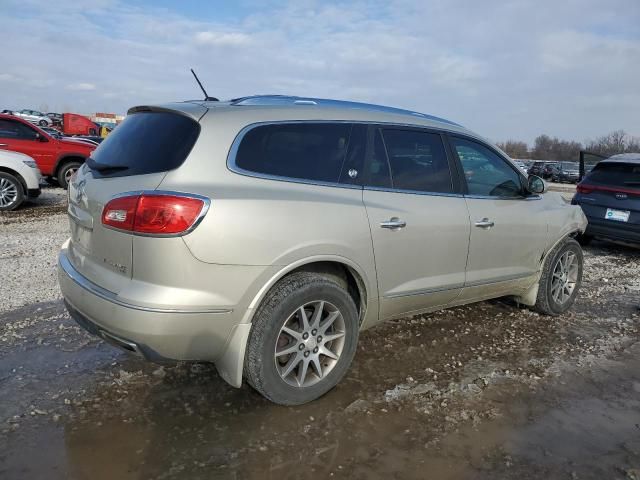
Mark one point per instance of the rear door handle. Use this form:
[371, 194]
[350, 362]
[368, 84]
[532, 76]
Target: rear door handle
[393, 224]
[485, 223]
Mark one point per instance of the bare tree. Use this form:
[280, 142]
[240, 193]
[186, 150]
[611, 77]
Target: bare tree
[615, 142]
[515, 148]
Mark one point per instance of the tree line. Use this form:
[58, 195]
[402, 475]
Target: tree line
[552, 148]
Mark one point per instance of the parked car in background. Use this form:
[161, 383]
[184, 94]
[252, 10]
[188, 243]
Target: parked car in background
[19, 179]
[610, 198]
[536, 168]
[56, 118]
[33, 116]
[521, 166]
[57, 158]
[52, 131]
[243, 233]
[547, 170]
[565, 172]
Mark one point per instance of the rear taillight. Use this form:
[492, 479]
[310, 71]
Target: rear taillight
[584, 189]
[154, 214]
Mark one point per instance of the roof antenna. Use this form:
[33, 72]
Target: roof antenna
[207, 98]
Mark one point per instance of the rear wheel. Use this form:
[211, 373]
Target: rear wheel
[66, 172]
[561, 279]
[11, 192]
[303, 339]
[43, 123]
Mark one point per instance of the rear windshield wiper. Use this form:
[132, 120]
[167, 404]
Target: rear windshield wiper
[105, 167]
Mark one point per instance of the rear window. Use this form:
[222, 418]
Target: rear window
[618, 174]
[308, 151]
[146, 142]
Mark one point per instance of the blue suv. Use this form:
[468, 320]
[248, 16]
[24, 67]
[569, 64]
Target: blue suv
[610, 198]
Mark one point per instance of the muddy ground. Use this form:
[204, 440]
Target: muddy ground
[485, 391]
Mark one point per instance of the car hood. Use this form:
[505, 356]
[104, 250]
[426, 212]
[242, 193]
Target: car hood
[77, 143]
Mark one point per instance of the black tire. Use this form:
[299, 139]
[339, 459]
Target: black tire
[65, 170]
[43, 123]
[281, 302]
[12, 188]
[545, 303]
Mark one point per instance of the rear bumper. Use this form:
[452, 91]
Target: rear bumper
[613, 230]
[156, 334]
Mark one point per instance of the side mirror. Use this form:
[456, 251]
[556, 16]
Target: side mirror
[41, 138]
[535, 184]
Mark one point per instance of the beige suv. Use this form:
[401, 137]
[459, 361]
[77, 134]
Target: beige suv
[264, 233]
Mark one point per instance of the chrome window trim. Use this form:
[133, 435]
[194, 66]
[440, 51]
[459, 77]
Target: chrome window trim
[103, 293]
[414, 192]
[233, 152]
[201, 215]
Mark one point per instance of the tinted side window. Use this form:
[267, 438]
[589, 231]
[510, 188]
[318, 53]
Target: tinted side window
[418, 161]
[308, 151]
[487, 173]
[16, 130]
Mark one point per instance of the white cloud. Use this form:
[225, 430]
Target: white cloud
[81, 86]
[222, 39]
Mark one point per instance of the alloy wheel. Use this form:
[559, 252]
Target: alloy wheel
[310, 343]
[564, 278]
[8, 192]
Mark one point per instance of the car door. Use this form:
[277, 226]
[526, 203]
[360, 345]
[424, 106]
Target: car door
[418, 218]
[508, 226]
[21, 137]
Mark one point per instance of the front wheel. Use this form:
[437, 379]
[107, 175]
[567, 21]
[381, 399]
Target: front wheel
[66, 172]
[561, 278]
[43, 123]
[11, 192]
[303, 339]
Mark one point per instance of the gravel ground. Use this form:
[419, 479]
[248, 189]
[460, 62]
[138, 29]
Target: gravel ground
[30, 239]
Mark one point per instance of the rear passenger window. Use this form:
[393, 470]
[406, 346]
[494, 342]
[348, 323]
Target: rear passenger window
[308, 151]
[418, 161]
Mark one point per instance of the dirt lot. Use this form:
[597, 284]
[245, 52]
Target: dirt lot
[485, 391]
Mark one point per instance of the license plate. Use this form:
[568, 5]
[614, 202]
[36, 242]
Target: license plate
[617, 215]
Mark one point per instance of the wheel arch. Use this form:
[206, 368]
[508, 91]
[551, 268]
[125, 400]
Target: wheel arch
[341, 269]
[230, 364]
[18, 176]
[66, 158]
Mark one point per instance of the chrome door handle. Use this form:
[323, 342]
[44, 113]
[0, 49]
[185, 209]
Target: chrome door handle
[393, 224]
[485, 223]
[3, 145]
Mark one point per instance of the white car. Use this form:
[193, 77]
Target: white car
[19, 179]
[34, 116]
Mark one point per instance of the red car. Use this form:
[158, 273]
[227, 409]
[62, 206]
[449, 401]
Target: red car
[57, 158]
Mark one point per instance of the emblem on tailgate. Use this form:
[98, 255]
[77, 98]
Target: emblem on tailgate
[120, 268]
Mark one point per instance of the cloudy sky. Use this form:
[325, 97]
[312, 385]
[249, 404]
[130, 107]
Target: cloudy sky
[507, 69]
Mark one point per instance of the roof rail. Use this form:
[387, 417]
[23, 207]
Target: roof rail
[273, 100]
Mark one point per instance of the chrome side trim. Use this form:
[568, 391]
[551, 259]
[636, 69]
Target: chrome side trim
[109, 296]
[203, 212]
[426, 291]
[506, 278]
[489, 197]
